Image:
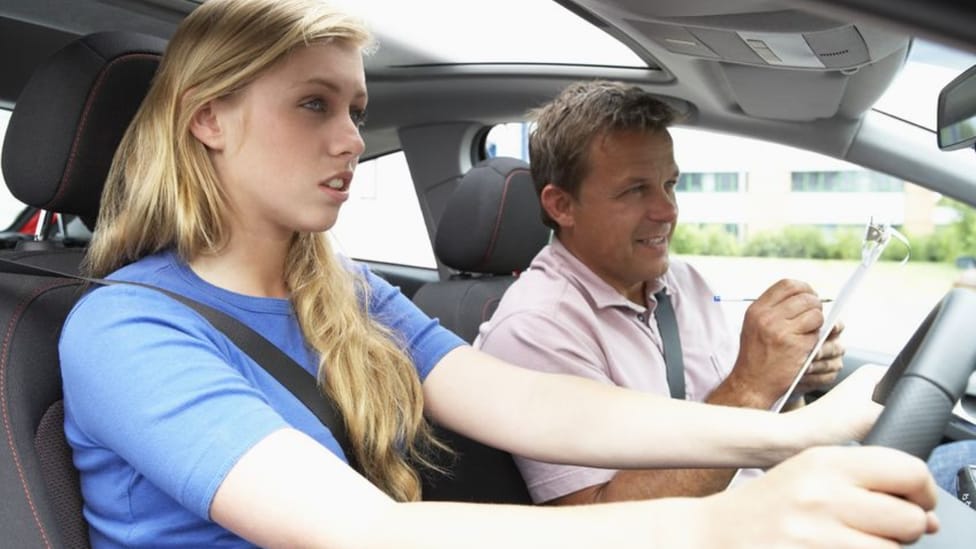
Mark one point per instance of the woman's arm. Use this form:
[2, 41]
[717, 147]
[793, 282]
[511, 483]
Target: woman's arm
[288, 491]
[567, 419]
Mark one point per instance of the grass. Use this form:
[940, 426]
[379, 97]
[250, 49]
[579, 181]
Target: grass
[892, 299]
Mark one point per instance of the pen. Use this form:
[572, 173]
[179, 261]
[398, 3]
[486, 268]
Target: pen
[720, 299]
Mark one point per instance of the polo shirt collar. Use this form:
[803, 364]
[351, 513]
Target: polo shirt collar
[602, 294]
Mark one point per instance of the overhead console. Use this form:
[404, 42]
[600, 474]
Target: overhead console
[822, 67]
[784, 38]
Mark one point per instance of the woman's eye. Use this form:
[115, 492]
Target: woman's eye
[316, 105]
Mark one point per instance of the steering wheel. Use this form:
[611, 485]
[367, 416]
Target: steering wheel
[927, 377]
[919, 391]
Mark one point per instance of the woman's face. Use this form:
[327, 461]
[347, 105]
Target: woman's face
[287, 144]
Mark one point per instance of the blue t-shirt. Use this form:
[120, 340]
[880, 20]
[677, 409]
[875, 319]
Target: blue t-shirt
[159, 405]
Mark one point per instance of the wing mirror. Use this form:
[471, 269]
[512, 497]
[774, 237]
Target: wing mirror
[956, 116]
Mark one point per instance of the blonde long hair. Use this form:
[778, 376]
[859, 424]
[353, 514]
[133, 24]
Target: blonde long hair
[162, 192]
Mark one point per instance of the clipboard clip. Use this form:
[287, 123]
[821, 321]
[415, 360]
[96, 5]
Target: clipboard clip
[876, 238]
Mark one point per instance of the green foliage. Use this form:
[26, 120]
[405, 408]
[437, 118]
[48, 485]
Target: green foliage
[792, 241]
[964, 227]
[945, 244]
[686, 240]
[940, 246]
[689, 239]
[847, 244]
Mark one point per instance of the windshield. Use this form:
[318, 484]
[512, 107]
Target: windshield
[915, 91]
[491, 34]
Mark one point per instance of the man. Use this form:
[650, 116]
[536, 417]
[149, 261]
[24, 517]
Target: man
[604, 169]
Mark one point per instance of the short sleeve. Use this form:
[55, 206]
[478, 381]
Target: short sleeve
[147, 378]
[425, 339]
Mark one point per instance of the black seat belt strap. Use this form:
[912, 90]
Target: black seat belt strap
[667, 326]
[282, 367]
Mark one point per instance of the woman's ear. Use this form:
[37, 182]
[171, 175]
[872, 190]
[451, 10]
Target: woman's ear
[205, 126]
[558, 204]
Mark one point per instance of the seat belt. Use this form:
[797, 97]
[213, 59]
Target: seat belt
[281, 367]
[667, 326]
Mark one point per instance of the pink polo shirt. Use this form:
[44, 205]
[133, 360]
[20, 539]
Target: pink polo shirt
[561, 317]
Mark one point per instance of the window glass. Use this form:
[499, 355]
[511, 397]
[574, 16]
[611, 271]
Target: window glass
[9, 206]
[510, 140]
[437, 31]
[788, 213]
[753, 212]
[382, 220]
[927, 70]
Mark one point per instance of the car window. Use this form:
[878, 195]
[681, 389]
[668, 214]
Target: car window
[9, 206]
[382, 220]
[382, 191]
[753, 212]
[913, 94]
[570, 39]
[510, 139]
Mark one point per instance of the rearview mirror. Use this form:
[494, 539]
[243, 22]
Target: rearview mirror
[957, 112]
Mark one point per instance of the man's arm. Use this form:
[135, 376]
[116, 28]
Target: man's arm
[651, 484]
[779, 330]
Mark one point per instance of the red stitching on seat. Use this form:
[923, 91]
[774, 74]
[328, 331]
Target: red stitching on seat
[498, 218]
[4, 407]
[63, 184]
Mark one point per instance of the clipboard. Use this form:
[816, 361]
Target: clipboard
[876, 239]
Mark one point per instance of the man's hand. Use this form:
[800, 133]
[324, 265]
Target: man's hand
[825, 366]
[778, 332]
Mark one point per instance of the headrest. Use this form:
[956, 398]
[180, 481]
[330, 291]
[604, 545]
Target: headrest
[70, 118]
[492, 222]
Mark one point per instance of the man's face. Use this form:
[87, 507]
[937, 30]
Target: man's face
[621, 223]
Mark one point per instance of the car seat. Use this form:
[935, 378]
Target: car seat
[59, 144]
[490, 231]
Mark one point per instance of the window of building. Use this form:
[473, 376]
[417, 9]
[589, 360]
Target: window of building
[690, 183]
[697, 182]
[858, 181]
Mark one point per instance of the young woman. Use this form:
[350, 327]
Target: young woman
[238, 161]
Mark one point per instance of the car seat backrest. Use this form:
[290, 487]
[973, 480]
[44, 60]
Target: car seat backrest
[490, 231]
[59, 145]
[70, 118]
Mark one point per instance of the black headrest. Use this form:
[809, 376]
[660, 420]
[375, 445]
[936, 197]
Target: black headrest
[70, 118]
[491, 223]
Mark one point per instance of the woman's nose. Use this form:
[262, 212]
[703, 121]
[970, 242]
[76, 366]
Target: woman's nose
[348, 140]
